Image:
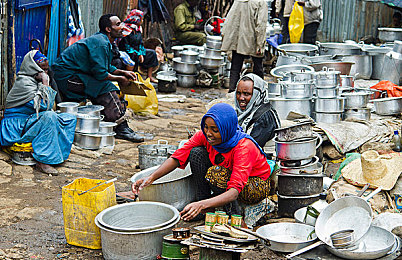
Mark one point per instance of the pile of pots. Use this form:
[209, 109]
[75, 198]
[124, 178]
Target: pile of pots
[392, 64]
[300, 181]
[212, 58]
[186, 65]
[167, 80]
[91, 132]
[356, 105]
[135, 230]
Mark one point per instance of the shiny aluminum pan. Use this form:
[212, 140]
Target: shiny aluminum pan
[388, 106]
[338, 48]
[175, 188]
[284, 106]
[92, 110]
[213, 44]
[140, 216]
[300, 48]
[274, 90]
[293, 90]
[300, 149]
[189, 56]
[358, 113]
[329, 105]
[328, 118]
[356, 99]
[287, 237]
[343, 67]
[87, 124]
[293, 132]
[106, 127]
[107, 140]
[87, 141]
[68, 107]
[186, 80]
[213, 53]
[281, 72]
[327, 77]
[315, 167]
[184, 67]
[176, 50]
[331, 92]
[376, 243]
[210, 62]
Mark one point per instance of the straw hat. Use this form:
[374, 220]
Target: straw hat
[378, 170]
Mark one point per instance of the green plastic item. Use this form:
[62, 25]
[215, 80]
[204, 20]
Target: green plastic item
[349, 158]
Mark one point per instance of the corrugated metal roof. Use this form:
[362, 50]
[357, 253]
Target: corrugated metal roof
[91, 11]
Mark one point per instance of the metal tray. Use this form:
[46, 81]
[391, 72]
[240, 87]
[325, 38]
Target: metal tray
[250, 239]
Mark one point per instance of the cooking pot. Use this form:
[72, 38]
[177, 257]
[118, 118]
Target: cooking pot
[190, 47]
[301, 76]
[388, 106]
[189, 56]
[343, 67]
[298, 149]
[167, 73]
[392, 66]
[87, 124]
[329, 105]
[91, 110]
[314, 167]
[294, 132]
[283, 106]
[337, 48]
[166, 84]
[107, 140]
[184, 67]
[154, 154]
[300, 184]
[68, 107]
[176, 188]
[307, 60]
[378, 56]
[106, 127]
[214, 42]
[294, 90]
[347, 81]
[210, 62]
[328, 117]
[274, 90]
[386, 34]
[186, 81]
[177, 50]
[213, 53]
[289, 59]
[287, 205]
[327, 77]
[87, 141]
[356, 99]
[332, 92]
[362, 67]
[299, 48]
[358, 113]
[282, 72]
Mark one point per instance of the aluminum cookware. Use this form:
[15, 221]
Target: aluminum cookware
[184, 67]
[287, 237]
[213, 53]
[296, 163]
[189, 56]
[299, 48]
[154, 154]
[87, 124]
[356, 99]
[358, 113]
[315, 167]
[328, 118]
[214, 42]
[176, 188]
[327, 92]
[274, 90]
[392, 65]
[387, 34]
[294, 132]
[284, 106]
[327, 77]
[299, 184]
[281, 72]
[186, 81]
[91, 110]
[347, 81]
[343, 67]
[362, 67]
[106, 127]
[87, 141]
[378, 56]
[299, 149]
[287, 205]
[329, 105]
[317, 59]
[289, 59]
[293, 90]
[337, 48]
[190, 47]
[166, 74]
[302, 76]
[68, 107]
[176, 50]
[107, 140]
[388, 106]
[210, 62]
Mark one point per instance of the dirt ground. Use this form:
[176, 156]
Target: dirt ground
[31, 217]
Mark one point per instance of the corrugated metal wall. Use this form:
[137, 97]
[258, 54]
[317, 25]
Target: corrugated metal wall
[352, 19]
[91, 11]
[118, 7]
[3, 53]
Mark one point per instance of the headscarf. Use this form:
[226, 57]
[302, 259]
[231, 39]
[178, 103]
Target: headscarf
[260, 97]
[133, 22]
[39, 57]
[26, 87]
[225, 119]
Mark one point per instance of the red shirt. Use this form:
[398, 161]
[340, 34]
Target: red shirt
[244, 160]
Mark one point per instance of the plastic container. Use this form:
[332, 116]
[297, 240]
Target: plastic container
[79, 211]
[397, 141]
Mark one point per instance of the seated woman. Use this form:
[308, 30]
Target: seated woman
[29, 118]
[224, 160]
[133, 45]
[256, 115]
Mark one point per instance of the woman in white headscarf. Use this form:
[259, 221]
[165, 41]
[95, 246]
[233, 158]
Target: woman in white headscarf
[255, 114]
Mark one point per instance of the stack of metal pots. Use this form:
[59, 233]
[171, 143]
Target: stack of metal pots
[186, 65]
[300, 181]
[212, 58]
[329, 105]
[392, 65]
[356, 105]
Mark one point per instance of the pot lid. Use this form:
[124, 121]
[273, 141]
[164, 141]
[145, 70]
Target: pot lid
[189, 53]
[90, 108]
[214, 38]
[166, 78]
[177, 48]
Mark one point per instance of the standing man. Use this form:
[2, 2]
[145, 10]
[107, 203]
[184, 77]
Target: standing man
[312, 11]
[84, 71]
[244, 35]
[185, 27]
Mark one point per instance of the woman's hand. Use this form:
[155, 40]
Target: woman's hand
[43, 78]
[140, 184]
[192, 210]
[130, 75]
[141, 58]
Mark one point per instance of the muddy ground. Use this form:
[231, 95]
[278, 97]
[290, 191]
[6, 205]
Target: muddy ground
[31, 217]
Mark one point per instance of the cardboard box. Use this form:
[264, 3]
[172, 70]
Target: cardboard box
[135, 88]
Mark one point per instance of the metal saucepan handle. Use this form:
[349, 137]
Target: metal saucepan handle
[373, 193]
[304, 249]
[267, 242]
[162, 142]
[277, 20]
[308, 172]
[102, 117]
[360, 193]
[320, 141]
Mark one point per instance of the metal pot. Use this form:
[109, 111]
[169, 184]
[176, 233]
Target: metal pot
[337, 48]
[283, 106]
[91, 110]
[378, 56]
[176, 188]
[392, 66]
[274, 90]
[358, 113]
[190, 47]
[296, 90]
[189, 56]
[343, 67]
[347, 81]
[388, 106]
[327, 117]
[356, 99]
[107, 140]
[282, 72]
[68, 107]
[327, 77]
[302, 76]
[294, 132]
[154, 154]
[166, 73]
[186, 81]
[214, 42]
[329, 105]
[87, 141]
[166, 84]
[106, 127]
[288, 59]
[307, 60]
[299, 48]
[315, 167]
[211, 63]
[213, 53]
[327, 92]
[298, 149]
[176, 50]
[183, 67]
[87, 124]
[362, 67]
[287, 205]
[287, 237]
[386, 34]
[300, 184]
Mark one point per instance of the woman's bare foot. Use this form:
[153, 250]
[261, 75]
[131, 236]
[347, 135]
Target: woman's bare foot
[46, 168]
[153, 80]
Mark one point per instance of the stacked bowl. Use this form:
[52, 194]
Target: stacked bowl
[300, 181]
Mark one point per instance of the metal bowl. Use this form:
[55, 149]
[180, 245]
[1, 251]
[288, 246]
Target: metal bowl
[68, 107]
[388, 106]
[189, 56]
[92, 110]
[300, 48]
[210, 62]
[184, 67]
[287, 237]
[186, 81]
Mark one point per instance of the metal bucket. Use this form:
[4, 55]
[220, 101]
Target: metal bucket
[176, 188]
[154, 154]
[283, 106]
[87, 124]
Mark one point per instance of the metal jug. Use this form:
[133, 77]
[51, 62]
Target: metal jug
[392, 68]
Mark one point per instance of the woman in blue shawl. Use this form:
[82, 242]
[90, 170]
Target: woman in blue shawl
[227, 165]
[29, 118]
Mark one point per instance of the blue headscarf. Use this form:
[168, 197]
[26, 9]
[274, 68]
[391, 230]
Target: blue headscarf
[39, 57]
[225, 118]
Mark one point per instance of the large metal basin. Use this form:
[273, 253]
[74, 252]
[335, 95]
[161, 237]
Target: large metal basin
[386, 34]
[184, 67]
[175, 188]
[388, 106]
[297, 150]
[288, 237]
[283, 106]
[299, 48]
[338, 48]
[281, 72]
[362, 67]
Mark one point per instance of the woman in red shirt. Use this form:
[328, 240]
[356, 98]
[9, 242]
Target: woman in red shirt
[226, 164]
